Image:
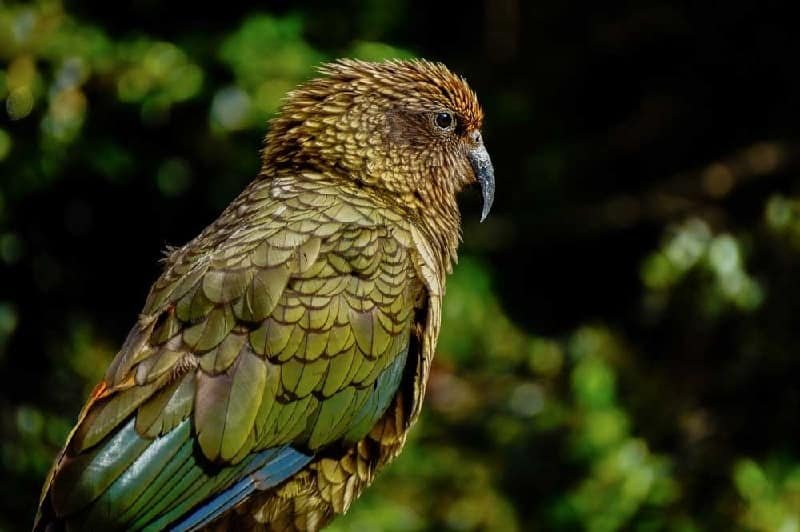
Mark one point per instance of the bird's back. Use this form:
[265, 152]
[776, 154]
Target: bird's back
[262, 374]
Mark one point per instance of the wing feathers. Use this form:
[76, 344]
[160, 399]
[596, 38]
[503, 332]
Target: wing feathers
[291, 332]
[283, 463]
[82, 479]
[227, 404]
[161, 413]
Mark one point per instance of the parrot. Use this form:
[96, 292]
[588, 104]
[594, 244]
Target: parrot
[282, 356]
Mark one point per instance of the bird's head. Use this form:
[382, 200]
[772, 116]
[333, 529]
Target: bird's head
[412, 128]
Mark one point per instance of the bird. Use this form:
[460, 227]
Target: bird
[282, 356]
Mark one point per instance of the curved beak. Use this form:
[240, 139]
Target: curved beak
[484, 174]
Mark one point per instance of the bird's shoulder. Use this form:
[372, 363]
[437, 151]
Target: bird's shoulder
[288, 220]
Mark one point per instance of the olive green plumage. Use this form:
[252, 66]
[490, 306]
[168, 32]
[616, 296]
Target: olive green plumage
[285, 350]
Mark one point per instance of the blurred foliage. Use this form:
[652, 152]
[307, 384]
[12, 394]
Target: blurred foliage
[619, 347]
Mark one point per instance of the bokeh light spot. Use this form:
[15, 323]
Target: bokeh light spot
[19, 103]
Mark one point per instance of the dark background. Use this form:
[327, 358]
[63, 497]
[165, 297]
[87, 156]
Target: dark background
[620, 339]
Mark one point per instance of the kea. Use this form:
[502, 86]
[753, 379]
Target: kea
[282, 356]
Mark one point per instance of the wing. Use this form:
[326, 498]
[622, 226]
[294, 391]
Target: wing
[281, 330]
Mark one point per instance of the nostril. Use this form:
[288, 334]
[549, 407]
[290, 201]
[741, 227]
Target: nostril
[476, 136]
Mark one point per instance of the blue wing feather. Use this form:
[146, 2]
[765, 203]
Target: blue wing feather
[285, 463]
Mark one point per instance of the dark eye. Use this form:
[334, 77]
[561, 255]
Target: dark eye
[444, 120]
